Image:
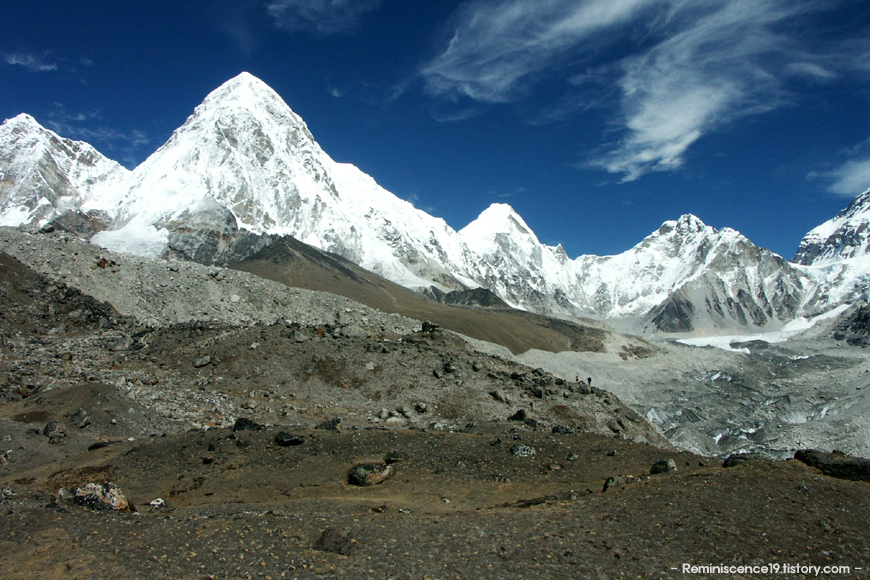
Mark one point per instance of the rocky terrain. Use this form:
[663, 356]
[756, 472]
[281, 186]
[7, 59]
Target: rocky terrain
[812, 390]
[162, 419]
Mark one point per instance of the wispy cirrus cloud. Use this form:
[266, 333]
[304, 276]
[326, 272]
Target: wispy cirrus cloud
[36, 62]
[713, 66]
[496, 48]
[87, 126]
[320, 16]
[680, 68]
[851, 178]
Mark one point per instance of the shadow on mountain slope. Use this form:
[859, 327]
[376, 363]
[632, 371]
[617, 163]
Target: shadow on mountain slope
[299, 265]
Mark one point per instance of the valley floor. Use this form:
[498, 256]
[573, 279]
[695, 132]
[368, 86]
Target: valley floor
[234, 436]
[460, 505]
[810, 391]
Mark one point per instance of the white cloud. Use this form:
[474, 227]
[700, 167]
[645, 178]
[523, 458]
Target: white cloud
[111, 138]
[682, 68]
[811, 70]
[852, 178]
[454, 115]
[497, 46]
[320, 16]
[31, 61]
[715, 68]
[72, 125]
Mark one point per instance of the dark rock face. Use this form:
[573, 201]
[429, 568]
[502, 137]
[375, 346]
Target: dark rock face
[81, 224]
[836, 464]
[211, 236]
[855, 328]
[709, 301]
[674, 315]
[477, 297]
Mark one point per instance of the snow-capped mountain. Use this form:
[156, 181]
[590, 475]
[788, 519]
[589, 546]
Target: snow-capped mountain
[245, 168]
[246, 150]
[685, 276]
[838, 253]
[845, 236]
[510, 261]
[42, 174]
[689, 276]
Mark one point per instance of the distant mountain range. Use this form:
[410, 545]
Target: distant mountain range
[244, 171]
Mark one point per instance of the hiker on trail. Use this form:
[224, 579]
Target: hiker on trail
[589, 380]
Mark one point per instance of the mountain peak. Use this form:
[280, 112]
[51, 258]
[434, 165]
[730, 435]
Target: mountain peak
[500, 218]
[497, 219]
[859, 205]
[244, 82]
[246, 92]
[845, 236]
[686, 225]
[690, 222]
[22, 120]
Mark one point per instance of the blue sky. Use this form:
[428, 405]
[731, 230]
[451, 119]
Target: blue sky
[596, 119]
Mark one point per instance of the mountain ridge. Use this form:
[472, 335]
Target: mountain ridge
[244, 167]
[845, 236]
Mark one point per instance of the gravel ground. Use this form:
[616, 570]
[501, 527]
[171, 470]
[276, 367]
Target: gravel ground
[165, 292]
[230, 413]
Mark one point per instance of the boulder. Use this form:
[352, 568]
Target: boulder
[836, 464]
[55, 431]
[741, 458]
[201, 362]
[333, 425]
[368, 474]
[521, 450]
[81, 419]
[97, 496]
[335, 542]
[663, 466]
[500, 396]
[284, 439]
[245, 424]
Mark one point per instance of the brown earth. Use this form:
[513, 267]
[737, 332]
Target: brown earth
[298, 265]
[460, 505]
[464, 501]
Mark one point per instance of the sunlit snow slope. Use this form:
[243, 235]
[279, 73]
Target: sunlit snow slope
[245, 162]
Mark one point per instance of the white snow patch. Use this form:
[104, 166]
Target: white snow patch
[15, 216]
[136, 238]
[791, 329]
